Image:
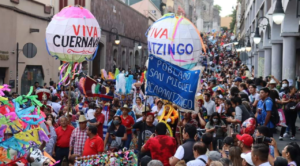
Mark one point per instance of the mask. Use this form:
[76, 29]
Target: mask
[116, 122]
[284, 85]
[215, 120]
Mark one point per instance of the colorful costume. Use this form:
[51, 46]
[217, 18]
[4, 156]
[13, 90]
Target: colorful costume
[168, 113]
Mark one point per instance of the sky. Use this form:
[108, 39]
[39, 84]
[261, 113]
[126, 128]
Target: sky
[226, 6]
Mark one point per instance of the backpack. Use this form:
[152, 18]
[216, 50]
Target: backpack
[275, 119]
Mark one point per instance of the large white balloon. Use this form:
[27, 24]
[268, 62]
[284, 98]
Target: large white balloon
[175, 39]
[73, 34]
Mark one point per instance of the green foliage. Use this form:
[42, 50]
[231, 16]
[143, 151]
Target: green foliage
[233, 21]
[218, 7]
[224, 28]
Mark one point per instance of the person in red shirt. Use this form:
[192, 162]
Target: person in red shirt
[100, 120]
[63, 133]
[128, 122]
[93, 144]
[161, 146]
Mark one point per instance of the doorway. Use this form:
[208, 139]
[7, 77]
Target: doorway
[97, 62]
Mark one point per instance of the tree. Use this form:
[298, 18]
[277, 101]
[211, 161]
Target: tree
[233, 21]
[218, 7]
[224, 29]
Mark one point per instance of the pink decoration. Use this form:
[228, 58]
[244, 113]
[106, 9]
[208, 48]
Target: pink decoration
[73, 12]
[5, 87]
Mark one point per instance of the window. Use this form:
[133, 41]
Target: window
[62, 4]
[80, 2]
[31, 75]
[204, 7]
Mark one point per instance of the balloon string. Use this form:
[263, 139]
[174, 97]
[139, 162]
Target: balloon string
[66, 75]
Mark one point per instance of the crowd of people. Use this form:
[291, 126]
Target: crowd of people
[161, 134]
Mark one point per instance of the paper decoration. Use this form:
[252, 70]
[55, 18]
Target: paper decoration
[175, 39]
[73, 35]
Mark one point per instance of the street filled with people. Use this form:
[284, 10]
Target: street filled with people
[233, 125]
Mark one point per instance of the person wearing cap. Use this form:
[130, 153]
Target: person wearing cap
[247, 161]
[100, 121]
[245, 142]
[146, 128]
[237, 81]
[213, 156]
[128, 122]
[78, 137]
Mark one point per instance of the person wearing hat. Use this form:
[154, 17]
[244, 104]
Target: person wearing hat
[237, 81]
[272, 85]
[245, 142]
[247, 161]
[128, 122]
[78, 137]
[213, 156]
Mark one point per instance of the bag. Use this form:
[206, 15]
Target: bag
[282, 122]
[274, 114]
[290, 106]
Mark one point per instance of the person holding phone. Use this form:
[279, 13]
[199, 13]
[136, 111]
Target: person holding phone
[116, 135]
[217, 128]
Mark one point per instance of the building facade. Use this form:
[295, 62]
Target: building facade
[148, 9]
[130, 25]
[278, 52]
[23, 57]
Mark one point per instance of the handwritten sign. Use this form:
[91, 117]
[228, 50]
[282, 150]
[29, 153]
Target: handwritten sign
[171, 82]
[73, 34]
[175, 39]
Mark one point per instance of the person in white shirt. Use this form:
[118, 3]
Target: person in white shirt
[260, 154]
[90, 114]
[158, 109]
[199, 151]
[209, 105]
[253, 97]
[55, 105]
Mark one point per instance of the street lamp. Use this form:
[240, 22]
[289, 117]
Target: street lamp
[235, 42]
[248, 47]
[140, 44]
[117, 40]
[257, 37]
[278, 14]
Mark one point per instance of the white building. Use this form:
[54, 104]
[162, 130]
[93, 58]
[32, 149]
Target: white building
[278, 52]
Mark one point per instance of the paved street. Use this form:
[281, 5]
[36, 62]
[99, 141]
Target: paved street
[282, 144]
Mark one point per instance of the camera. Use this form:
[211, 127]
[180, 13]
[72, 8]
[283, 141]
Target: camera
[200, 133]
[262, 139]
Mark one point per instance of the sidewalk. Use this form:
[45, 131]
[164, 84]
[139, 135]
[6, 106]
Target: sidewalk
[285, 141]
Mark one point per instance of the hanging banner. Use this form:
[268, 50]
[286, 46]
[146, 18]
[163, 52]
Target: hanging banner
[171, 82]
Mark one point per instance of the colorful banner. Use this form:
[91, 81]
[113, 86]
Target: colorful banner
[171, 82]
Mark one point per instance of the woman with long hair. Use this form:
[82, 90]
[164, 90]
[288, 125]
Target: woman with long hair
[235, 155]
[290, 100]
[51, 117]
[138, 107]
[217, 128]
[116, 135]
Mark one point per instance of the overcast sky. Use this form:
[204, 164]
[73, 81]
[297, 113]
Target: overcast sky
[226, 6]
